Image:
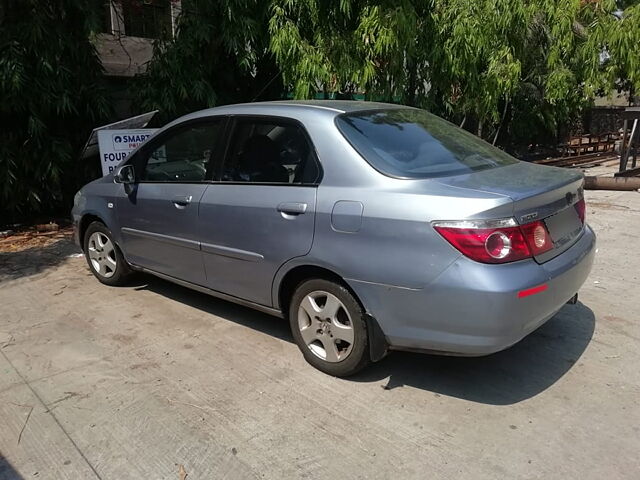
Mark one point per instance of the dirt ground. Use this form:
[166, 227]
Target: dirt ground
[157, 381]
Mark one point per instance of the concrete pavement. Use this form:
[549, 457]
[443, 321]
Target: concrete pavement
[135, 382]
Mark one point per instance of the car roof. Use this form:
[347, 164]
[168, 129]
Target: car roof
[336, 106]
[342, 106]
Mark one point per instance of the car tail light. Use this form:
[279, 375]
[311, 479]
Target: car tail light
[537, 237]
[496, 241]
[581, 208]
[486, 241]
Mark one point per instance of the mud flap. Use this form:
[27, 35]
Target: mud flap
[378, 346]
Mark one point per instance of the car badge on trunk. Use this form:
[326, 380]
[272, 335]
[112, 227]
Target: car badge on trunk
[570, 197]
[528, 217]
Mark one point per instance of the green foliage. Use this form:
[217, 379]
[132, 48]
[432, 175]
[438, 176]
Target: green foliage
[513, 62]
[348, 46]
[514, 69]
[218, 56]
[50, 86]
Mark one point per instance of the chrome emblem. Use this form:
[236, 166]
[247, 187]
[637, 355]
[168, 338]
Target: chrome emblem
[570, 197]
[528, 217]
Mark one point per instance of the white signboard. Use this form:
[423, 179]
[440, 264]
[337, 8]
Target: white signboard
[115, 145]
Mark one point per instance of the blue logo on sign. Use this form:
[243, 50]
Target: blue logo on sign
[117, 139]
[137, 138]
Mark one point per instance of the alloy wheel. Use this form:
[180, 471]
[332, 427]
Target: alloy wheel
[326, 326]
[102, 254]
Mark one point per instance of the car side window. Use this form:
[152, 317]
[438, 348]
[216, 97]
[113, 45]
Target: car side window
[270, 151]
[184, 156]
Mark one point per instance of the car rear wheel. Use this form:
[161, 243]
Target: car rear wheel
[328, 326]
[104, 257]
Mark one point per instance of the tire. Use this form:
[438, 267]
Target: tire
[103, 256]
[329, 327]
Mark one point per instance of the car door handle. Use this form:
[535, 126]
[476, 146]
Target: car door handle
[181, 200]
[292, 208]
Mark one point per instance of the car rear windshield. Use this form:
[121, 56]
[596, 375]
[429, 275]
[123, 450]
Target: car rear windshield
[412, 143]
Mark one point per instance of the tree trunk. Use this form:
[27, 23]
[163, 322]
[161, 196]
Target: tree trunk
[464, 120]
[480, 128]
[612, 183]
[411, 87]
[504, 114]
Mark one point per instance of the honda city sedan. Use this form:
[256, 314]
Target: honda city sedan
[371, 227]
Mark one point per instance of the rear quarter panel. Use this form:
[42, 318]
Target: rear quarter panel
[395, 243]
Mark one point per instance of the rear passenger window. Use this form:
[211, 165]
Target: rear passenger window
[184, 155]
[268, 151]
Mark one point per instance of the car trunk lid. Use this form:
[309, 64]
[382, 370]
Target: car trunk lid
[538, 192]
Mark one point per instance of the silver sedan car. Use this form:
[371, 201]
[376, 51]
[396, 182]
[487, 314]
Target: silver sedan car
[370, 227]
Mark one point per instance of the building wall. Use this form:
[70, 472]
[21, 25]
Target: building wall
[126, 55]
[123, 56]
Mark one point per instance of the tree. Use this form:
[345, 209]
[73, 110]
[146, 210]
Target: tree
[379, 48]
[487, 62]
[52, 95]
[219, 55]
[511, 70]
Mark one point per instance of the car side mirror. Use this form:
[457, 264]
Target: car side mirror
[125, 174]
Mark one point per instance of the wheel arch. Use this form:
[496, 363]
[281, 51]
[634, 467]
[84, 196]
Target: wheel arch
[86, 220]
[298, 274]
[289, 280]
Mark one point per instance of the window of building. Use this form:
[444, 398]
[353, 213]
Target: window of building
[147, 18]
[151, 19]
[106, 21]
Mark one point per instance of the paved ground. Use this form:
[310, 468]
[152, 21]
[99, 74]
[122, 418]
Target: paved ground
[153, 380]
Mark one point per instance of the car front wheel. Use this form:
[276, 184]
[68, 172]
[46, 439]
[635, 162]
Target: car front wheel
[328, 326]
[104, 257]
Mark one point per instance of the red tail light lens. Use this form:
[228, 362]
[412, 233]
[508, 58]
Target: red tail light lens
[496, 241]
[581, 208]
[537, 237]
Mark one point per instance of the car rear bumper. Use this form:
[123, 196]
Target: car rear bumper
[474, 308]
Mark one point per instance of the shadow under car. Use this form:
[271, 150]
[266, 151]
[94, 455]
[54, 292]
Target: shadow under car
[522, 371]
